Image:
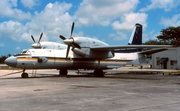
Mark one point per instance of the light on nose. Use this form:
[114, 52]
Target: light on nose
[11, 61]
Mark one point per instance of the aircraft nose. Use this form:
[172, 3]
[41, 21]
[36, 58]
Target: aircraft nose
[11, 61]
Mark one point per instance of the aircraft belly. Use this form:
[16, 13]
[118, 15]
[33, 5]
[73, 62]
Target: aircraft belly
[62, 63]
[111, 64]
[75, 64]
[86, 64]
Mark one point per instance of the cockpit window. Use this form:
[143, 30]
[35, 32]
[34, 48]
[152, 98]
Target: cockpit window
[24, 52]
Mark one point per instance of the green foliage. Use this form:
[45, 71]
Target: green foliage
[168, 36]
[155, 42]
[3, 58]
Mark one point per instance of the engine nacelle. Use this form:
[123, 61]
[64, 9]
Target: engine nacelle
[88, 42]
[88, 53]
[83, 52]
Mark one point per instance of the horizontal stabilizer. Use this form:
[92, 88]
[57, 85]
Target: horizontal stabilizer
[152, 51]
[142, 58]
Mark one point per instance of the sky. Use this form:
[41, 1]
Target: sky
[111, 21]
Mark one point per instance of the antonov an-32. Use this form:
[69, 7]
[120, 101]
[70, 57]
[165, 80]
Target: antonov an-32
[81, 53]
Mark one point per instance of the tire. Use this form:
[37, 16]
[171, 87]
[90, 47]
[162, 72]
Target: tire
[24, 75]
[98, 73]
[63, 72]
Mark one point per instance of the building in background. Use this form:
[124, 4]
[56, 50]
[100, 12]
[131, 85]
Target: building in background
[169, 59]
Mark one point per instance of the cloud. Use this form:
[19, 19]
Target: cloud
[17, 48]
[127, 23]
[129, 20]
[93, 12]
[11, 29]
[2, 45]
[53, 21]
[29, 3]
[162, 4]
[118, 36]
[150, 35]
[174, 21]
[105, 13]
[9, 9]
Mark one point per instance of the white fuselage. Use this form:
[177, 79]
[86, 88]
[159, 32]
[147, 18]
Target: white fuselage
[56, 59]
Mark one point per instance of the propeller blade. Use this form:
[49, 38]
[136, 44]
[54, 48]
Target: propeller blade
[76, 45]
[67, 53]
[33, 39]
[62, 37]
[72, 28]
[40, 37]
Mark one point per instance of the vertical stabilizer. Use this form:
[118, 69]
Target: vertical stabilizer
[136, 36]
[135, 39]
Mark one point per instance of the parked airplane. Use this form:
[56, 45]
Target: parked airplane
[47, 45]
[86, 53]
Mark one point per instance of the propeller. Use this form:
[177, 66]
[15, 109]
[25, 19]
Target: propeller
[62, 37]
[72, 29]
[70, 42]
[33, 39]
[38, 45]
[40, 37]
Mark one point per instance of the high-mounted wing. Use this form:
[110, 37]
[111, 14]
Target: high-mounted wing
[107, 48]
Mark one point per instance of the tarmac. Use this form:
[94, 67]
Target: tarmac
[46, 91]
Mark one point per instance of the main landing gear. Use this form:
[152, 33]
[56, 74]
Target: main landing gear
[63, 72]
[24, 74]
[98, 73]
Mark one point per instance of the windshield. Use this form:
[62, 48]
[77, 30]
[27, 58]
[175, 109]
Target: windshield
[24, 52]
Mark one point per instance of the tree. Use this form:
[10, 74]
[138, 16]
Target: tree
[3, 58]
[168, 36]
[155, 42]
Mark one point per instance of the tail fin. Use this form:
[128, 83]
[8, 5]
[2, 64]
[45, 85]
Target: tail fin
[136, 36]
[135, 39]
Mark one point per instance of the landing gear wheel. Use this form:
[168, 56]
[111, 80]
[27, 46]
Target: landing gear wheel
[98, 73]
[63, 72]
[24, 75]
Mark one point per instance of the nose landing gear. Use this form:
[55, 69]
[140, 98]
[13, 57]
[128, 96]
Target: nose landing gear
[24, 74]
